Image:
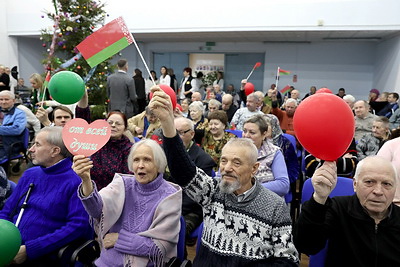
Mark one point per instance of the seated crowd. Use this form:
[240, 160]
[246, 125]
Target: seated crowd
[223, 159]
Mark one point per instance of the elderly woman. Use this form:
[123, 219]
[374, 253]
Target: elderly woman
[272, 172]
[136, 217]
[113, 156]
[196, 110]
[215, 136]
[289, 153]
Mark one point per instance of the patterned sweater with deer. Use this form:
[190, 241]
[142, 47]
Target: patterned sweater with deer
[256, 231]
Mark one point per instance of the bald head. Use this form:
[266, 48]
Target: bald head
[295, 94]
[196, 96]
[227, 100]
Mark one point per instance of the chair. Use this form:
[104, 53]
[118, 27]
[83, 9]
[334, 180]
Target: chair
[292, 140]
[20, 147]
[197, 233]
[80, 251]
[344, 187]
[182, 240]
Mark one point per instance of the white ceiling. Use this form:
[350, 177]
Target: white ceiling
[268, 36]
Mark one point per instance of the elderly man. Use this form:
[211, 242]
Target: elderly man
[228, 107]
[12, 123]
[244, 223]
[242, 114]
[191, 211]
[285, 116]
[196, 96]
[391, 106]
[295, 94]
[264, 108]
[364, 119]
[370, 143]
[54, 215]
[144, 124]
[361, 229]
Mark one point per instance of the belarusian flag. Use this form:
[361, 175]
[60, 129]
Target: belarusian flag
[285, 89]
[283, 72]
[105, 42]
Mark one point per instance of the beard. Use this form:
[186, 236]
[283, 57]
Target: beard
[228, 187]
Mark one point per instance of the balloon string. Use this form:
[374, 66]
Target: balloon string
[144, 62]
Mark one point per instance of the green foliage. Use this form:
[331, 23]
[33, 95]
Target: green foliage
[209, 78]
[97, 112]
[76, 19]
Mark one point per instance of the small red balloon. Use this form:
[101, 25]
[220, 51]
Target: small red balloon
[180, 107]
[169, 91]
[324, 125]
[324, 90]
[248, 88]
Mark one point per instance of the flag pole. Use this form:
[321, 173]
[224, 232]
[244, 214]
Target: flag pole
[144, 62]
[277, 78]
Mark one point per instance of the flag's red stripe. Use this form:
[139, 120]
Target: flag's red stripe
[102, 38]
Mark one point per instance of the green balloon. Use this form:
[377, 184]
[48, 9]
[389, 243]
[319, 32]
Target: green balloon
[66, 87]
[10, 241]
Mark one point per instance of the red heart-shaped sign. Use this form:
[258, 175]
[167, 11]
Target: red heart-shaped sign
[82, 138]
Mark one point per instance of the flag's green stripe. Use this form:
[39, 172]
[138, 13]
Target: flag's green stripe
[107, 52]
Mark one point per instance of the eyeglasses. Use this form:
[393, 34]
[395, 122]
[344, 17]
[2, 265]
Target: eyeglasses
[116, 123]
[183, 132]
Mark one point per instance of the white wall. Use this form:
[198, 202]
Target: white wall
[211, 15]
[387, 66]
[356, 66]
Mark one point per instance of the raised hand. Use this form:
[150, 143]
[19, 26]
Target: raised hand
[324, 181]
[82, 166]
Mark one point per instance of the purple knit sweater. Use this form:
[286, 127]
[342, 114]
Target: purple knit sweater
[141, 201]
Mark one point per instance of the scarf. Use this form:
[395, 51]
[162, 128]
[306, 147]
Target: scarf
[266, 156]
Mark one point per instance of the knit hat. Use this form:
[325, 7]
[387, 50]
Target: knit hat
[376, 91]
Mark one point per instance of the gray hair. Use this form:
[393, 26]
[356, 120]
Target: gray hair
[244, 143]
[254, 96]
[197, 105]
[291, 100]
[350, 98]
[54, 137]
[186, 121]
[158, 154]
[215, 102]
[8, 93]
[373, 160]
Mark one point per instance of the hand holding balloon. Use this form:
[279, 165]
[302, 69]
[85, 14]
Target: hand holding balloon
[169, 91]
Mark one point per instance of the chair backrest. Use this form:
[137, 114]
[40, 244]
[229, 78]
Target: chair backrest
[344, 187]
[182, 240]
[292, 140]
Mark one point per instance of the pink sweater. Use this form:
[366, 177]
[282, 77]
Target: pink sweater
[391, 151]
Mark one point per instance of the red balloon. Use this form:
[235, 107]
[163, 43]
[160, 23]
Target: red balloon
[169, 91]
[180, 107]
[248, 88]
[324, 90]
[324, 125]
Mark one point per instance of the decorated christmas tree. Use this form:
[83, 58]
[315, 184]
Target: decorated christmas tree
[73, 21]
